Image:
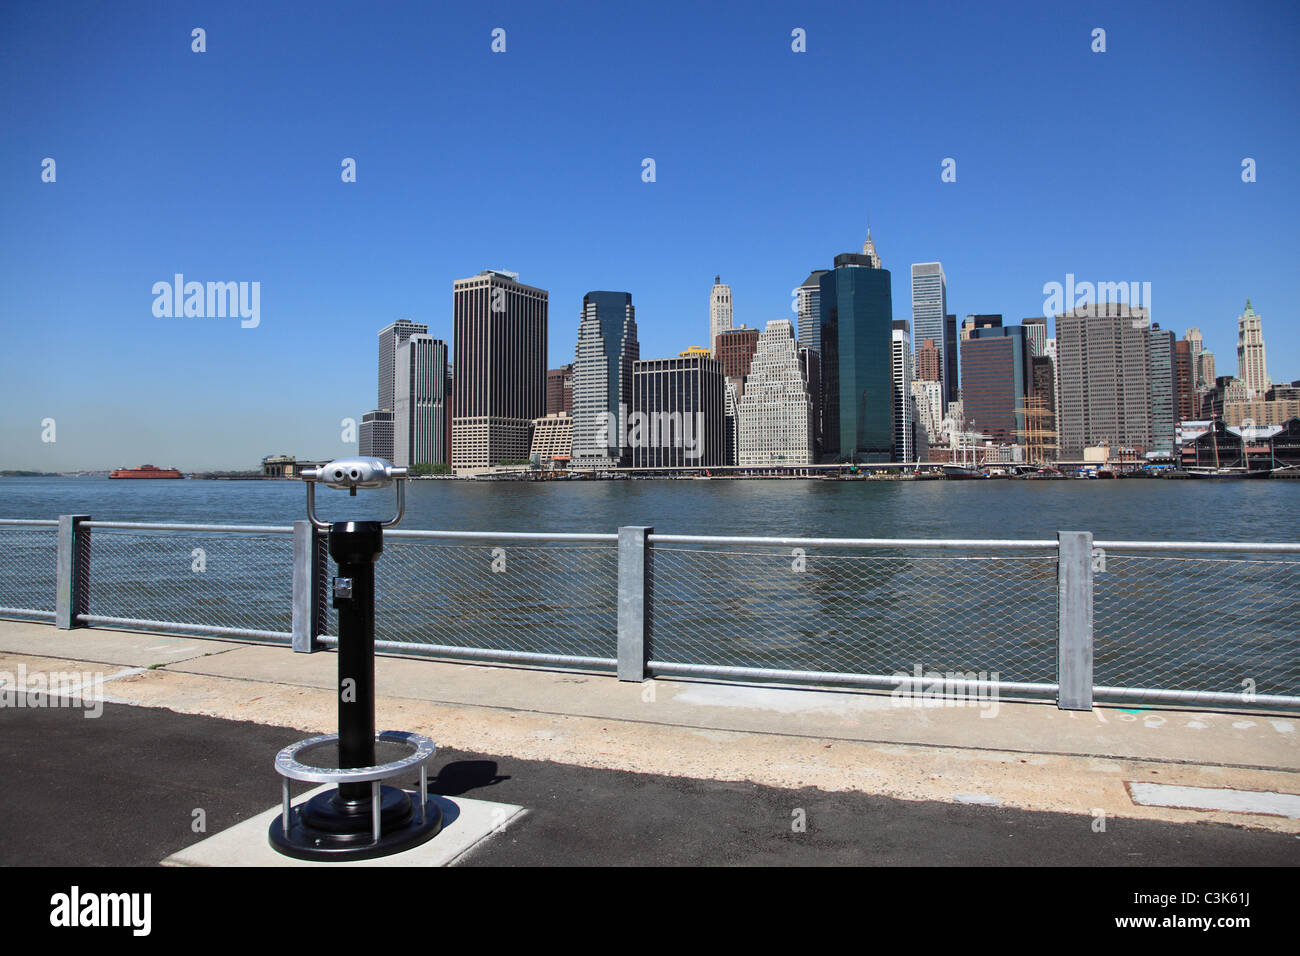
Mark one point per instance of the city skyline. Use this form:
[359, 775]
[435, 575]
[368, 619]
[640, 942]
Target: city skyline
[144, 191]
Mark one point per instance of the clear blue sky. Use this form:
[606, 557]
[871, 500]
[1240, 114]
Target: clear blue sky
[225, 166]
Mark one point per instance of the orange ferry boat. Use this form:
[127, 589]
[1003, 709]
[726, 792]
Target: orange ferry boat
[146, 471]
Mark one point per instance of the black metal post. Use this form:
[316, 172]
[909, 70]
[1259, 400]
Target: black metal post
[356, 546]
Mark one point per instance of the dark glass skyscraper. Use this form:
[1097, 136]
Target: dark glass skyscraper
[856, 307]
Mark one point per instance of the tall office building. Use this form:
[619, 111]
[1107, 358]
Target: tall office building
[775, 416]
[904, 418]
[1251, 367]
[929, 311]
[735, 350]
[1104, 378]
[810, 360]
[678, 417]
[720, 317]
[500, 382]
[808, 304]
[376, 434]
[1040, 421]
[1050, 352]
[1160, 365]
[1205, 370]
[856, 335]
[420, 393]
[559, 390]
[929, 364]
[390, 337]
[997, 377]
[1036, 334]
[1184, 382]
[950, 358]
[1196, 343]
[602, 378]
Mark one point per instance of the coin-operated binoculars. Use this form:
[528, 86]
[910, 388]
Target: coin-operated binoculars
[359, 818]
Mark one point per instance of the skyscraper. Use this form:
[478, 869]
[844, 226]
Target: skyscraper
[678, 417]
[559, 390]
[929, 311]
[500, 382]
[903, 410]
[997, 377]
[1160, 365]
[376, 434]
[856, 335]
[1251, 367]
[950, 357]
[390, 337]
[775, 415]
[1036, 334]
[929, 364]
[602, 378]
[735, 350]
[808, 303]
[720, 318]
[1197, 345]
[1104, 378]
[420, 391]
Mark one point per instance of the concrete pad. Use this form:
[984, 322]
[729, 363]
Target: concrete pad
[1217, 798]
[97, 645]
[465, 824]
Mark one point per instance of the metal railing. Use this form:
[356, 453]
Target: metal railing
[1070, 618]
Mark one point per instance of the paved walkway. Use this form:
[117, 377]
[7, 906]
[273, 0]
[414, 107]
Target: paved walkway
[679, 770]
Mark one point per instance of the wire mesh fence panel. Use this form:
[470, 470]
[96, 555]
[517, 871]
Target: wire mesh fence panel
[217, 579]
[1229, 624]
[545, 599]
[883, 612]
[28, 576]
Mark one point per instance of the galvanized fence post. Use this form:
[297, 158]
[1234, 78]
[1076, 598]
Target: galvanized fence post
[308, 588]
[634, 573]
[1074, 620]
[72, 584]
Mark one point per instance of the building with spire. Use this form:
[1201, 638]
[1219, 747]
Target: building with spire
[720, 317]
[856, 307]
[869, 250]
[1250, 352]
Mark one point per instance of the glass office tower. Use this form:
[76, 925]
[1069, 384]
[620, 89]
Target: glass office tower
[856, 336]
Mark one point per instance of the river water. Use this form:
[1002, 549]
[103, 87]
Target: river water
[1131, 509]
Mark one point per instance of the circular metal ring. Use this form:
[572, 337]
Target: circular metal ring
[288, 765]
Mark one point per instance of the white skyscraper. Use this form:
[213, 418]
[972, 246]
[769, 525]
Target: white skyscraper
[904, 410]
[420, 396]
[720, 319]
[775, 416]
[1250, 353]
[929, 306]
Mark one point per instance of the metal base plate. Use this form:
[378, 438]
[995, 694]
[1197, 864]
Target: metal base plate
[315, 832]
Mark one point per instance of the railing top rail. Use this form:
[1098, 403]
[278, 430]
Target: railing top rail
[503, 535]
[217, 528]
[962, 543]
[29, 523]
[1263, 547]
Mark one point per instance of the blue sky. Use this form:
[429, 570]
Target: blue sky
[225, 166]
